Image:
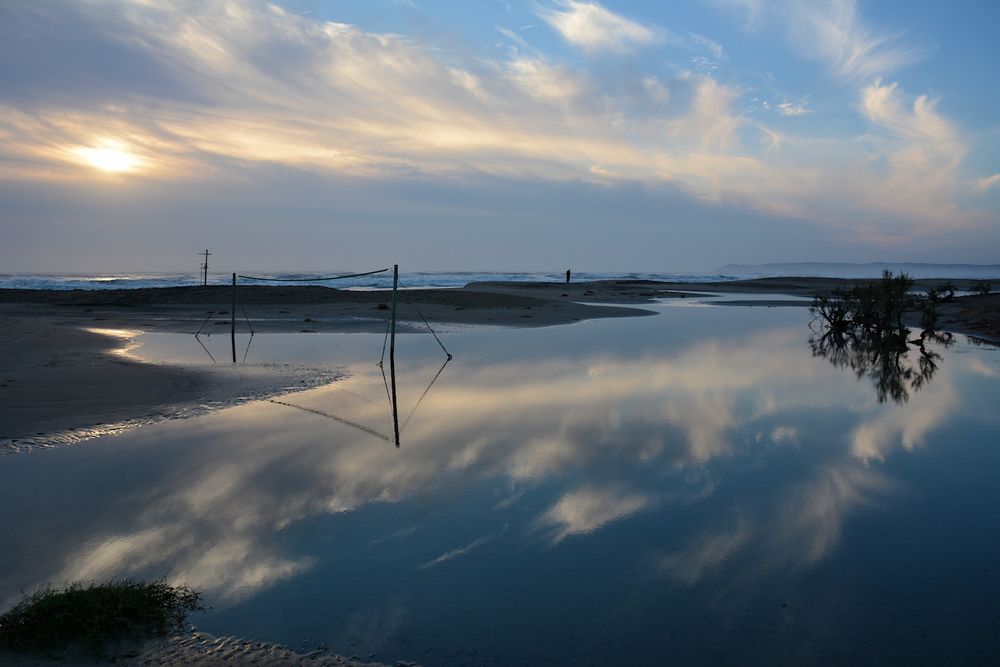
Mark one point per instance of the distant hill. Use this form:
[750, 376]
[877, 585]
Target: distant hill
[870, 270]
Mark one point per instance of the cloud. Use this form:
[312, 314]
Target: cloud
[985, 184]
[544, 81]
[594, 28]
[793, 108]
[709, 45]
[801, 526]
[705, 553]
[833, 32]
[461, 551]
[586, 510]
[907, 427]
[781, 434]
[906, 169]
[517, 39]
[922, 150]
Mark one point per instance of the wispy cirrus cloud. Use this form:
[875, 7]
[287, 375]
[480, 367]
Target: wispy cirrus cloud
[787, 108]
[833, 32]
[921, 149]
[595, 28]
[985, 184]
[707, 44]
[587, 510]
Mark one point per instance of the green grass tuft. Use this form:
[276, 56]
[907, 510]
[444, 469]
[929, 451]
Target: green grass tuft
[91, 616]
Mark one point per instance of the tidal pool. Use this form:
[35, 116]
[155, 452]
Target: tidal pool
[687, 488]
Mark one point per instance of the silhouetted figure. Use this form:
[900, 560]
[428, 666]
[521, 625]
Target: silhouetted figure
[567, 276]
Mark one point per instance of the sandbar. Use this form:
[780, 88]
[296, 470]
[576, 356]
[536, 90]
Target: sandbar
[63, 380]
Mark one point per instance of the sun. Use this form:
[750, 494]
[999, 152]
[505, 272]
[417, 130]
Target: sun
[109, 157]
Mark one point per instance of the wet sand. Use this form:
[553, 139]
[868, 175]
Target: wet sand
[61, 384]
[199, 648]
[314, 309]
[311, 309]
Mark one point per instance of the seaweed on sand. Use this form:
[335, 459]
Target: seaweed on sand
[90, 616]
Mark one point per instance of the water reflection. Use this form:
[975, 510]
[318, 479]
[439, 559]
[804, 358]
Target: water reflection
[586, 510]
[524, 423]
[611, 456]
[389, 381]
[791, 532]
[896, 364]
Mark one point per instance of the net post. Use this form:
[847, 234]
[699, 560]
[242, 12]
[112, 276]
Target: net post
[392, 353]
[232, 321]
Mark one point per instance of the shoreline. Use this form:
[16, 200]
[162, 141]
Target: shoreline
[62, 382]
[312, 309]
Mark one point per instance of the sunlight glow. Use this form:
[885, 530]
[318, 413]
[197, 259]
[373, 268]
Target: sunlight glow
[110, 157]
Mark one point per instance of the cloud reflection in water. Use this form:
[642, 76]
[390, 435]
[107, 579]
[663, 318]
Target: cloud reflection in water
[604, 439]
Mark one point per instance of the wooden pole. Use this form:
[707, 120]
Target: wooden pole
[392, 353]
[232, 321]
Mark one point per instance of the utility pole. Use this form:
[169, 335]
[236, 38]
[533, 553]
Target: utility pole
[204, 268]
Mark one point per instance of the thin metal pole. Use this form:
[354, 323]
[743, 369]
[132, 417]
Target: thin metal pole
[232, 321]
[392, 353]
[204, 268]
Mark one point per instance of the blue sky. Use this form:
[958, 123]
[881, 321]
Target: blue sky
[494, 134]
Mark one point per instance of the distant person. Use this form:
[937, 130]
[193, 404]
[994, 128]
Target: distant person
[567, 276]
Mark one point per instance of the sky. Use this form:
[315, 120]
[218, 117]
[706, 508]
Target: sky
[481, 135]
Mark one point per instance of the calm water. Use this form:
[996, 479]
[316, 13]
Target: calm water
[687, 488]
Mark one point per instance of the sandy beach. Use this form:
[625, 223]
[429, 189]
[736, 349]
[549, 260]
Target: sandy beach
[66, 374]
[62, 383]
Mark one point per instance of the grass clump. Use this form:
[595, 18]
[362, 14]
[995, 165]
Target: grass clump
[91, 616]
